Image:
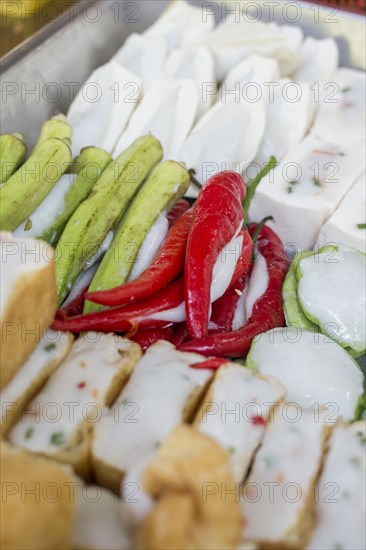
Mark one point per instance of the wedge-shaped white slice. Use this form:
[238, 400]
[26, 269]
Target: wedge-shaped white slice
[98, 521]
[48, 354]
[197, 64]
[162, 392]
[235, 412]
[342, 111]
[340, 509]
[314, 369]
[289, 110]
[27, 299]
[304, 190]
[253, 69]
[322, 281]
[233, 40]
[240, 126]
[347, 225]
[277, 499]
[59, 420]
[181, 23]
[318, 63]
[103, 106]
[144, 56]
[167, 111]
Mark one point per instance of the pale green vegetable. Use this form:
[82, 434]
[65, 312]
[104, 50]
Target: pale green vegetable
[56, 126]
[12, 153]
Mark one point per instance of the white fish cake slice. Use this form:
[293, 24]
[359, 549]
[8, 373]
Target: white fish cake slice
[340, 509]
[162, 392]
[44, 360]
[235, 412]
[277, 500]
[58, 421]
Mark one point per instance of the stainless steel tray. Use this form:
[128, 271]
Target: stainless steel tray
[41, 76]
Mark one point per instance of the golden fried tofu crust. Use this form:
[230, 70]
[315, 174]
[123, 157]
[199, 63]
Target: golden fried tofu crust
[196, 506]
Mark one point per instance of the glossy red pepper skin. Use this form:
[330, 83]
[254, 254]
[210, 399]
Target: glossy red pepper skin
[267, 311]
[218, 214]
[212, 363]
[122, 319]
[178, 209]
[148, 337]
[75, 307]
[180, 334]
[167, 266]
[223, 310]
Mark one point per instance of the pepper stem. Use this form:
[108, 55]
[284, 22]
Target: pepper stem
[259, 228]
[253, 184]
[194, 180]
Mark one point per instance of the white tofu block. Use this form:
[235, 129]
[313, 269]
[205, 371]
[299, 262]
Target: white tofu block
[341, 499]
[342, 109]
[342, 227]
[235, 412]
[304, 190]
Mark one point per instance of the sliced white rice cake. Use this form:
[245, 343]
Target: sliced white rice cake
[341, 501]
[162, 392]
[277, 500]
[59, 420]
[235, 412]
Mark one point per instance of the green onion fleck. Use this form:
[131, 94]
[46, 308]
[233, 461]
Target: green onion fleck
[316, 181]
[290, 189]
[346, 89]
[29, 433]
[361, 226]
[50, 347]
[231, 450]
[28, 225]
[58, 438]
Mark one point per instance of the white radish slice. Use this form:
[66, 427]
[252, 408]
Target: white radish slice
[197, 64]
[103, 106]
[332, 293]
[47, 212]
[319, 60]
[150, 247]
[167, 111]
[314, 369]
[144, 56]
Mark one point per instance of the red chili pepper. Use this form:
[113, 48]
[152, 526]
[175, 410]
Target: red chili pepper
[267, 310]
[121, 319]
[212, 363]
[76, 306]
[148, 337]
[178, 209]
[223, 310]
[167, 266]
[218, 214]
[244, 262]
[180, 334]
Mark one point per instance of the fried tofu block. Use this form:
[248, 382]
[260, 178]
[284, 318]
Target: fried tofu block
[277, 499]
[235, 412]
[340, 509]
[185, 515]
[36, 509]
[162, 392]
[41, 364]
[28, 299]
[58, 422]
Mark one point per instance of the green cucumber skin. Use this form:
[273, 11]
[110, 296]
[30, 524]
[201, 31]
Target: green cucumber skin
[167, 183]
[103, 209]
[27, 188]
[12, 153]
[55, 127]
[80, 189]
